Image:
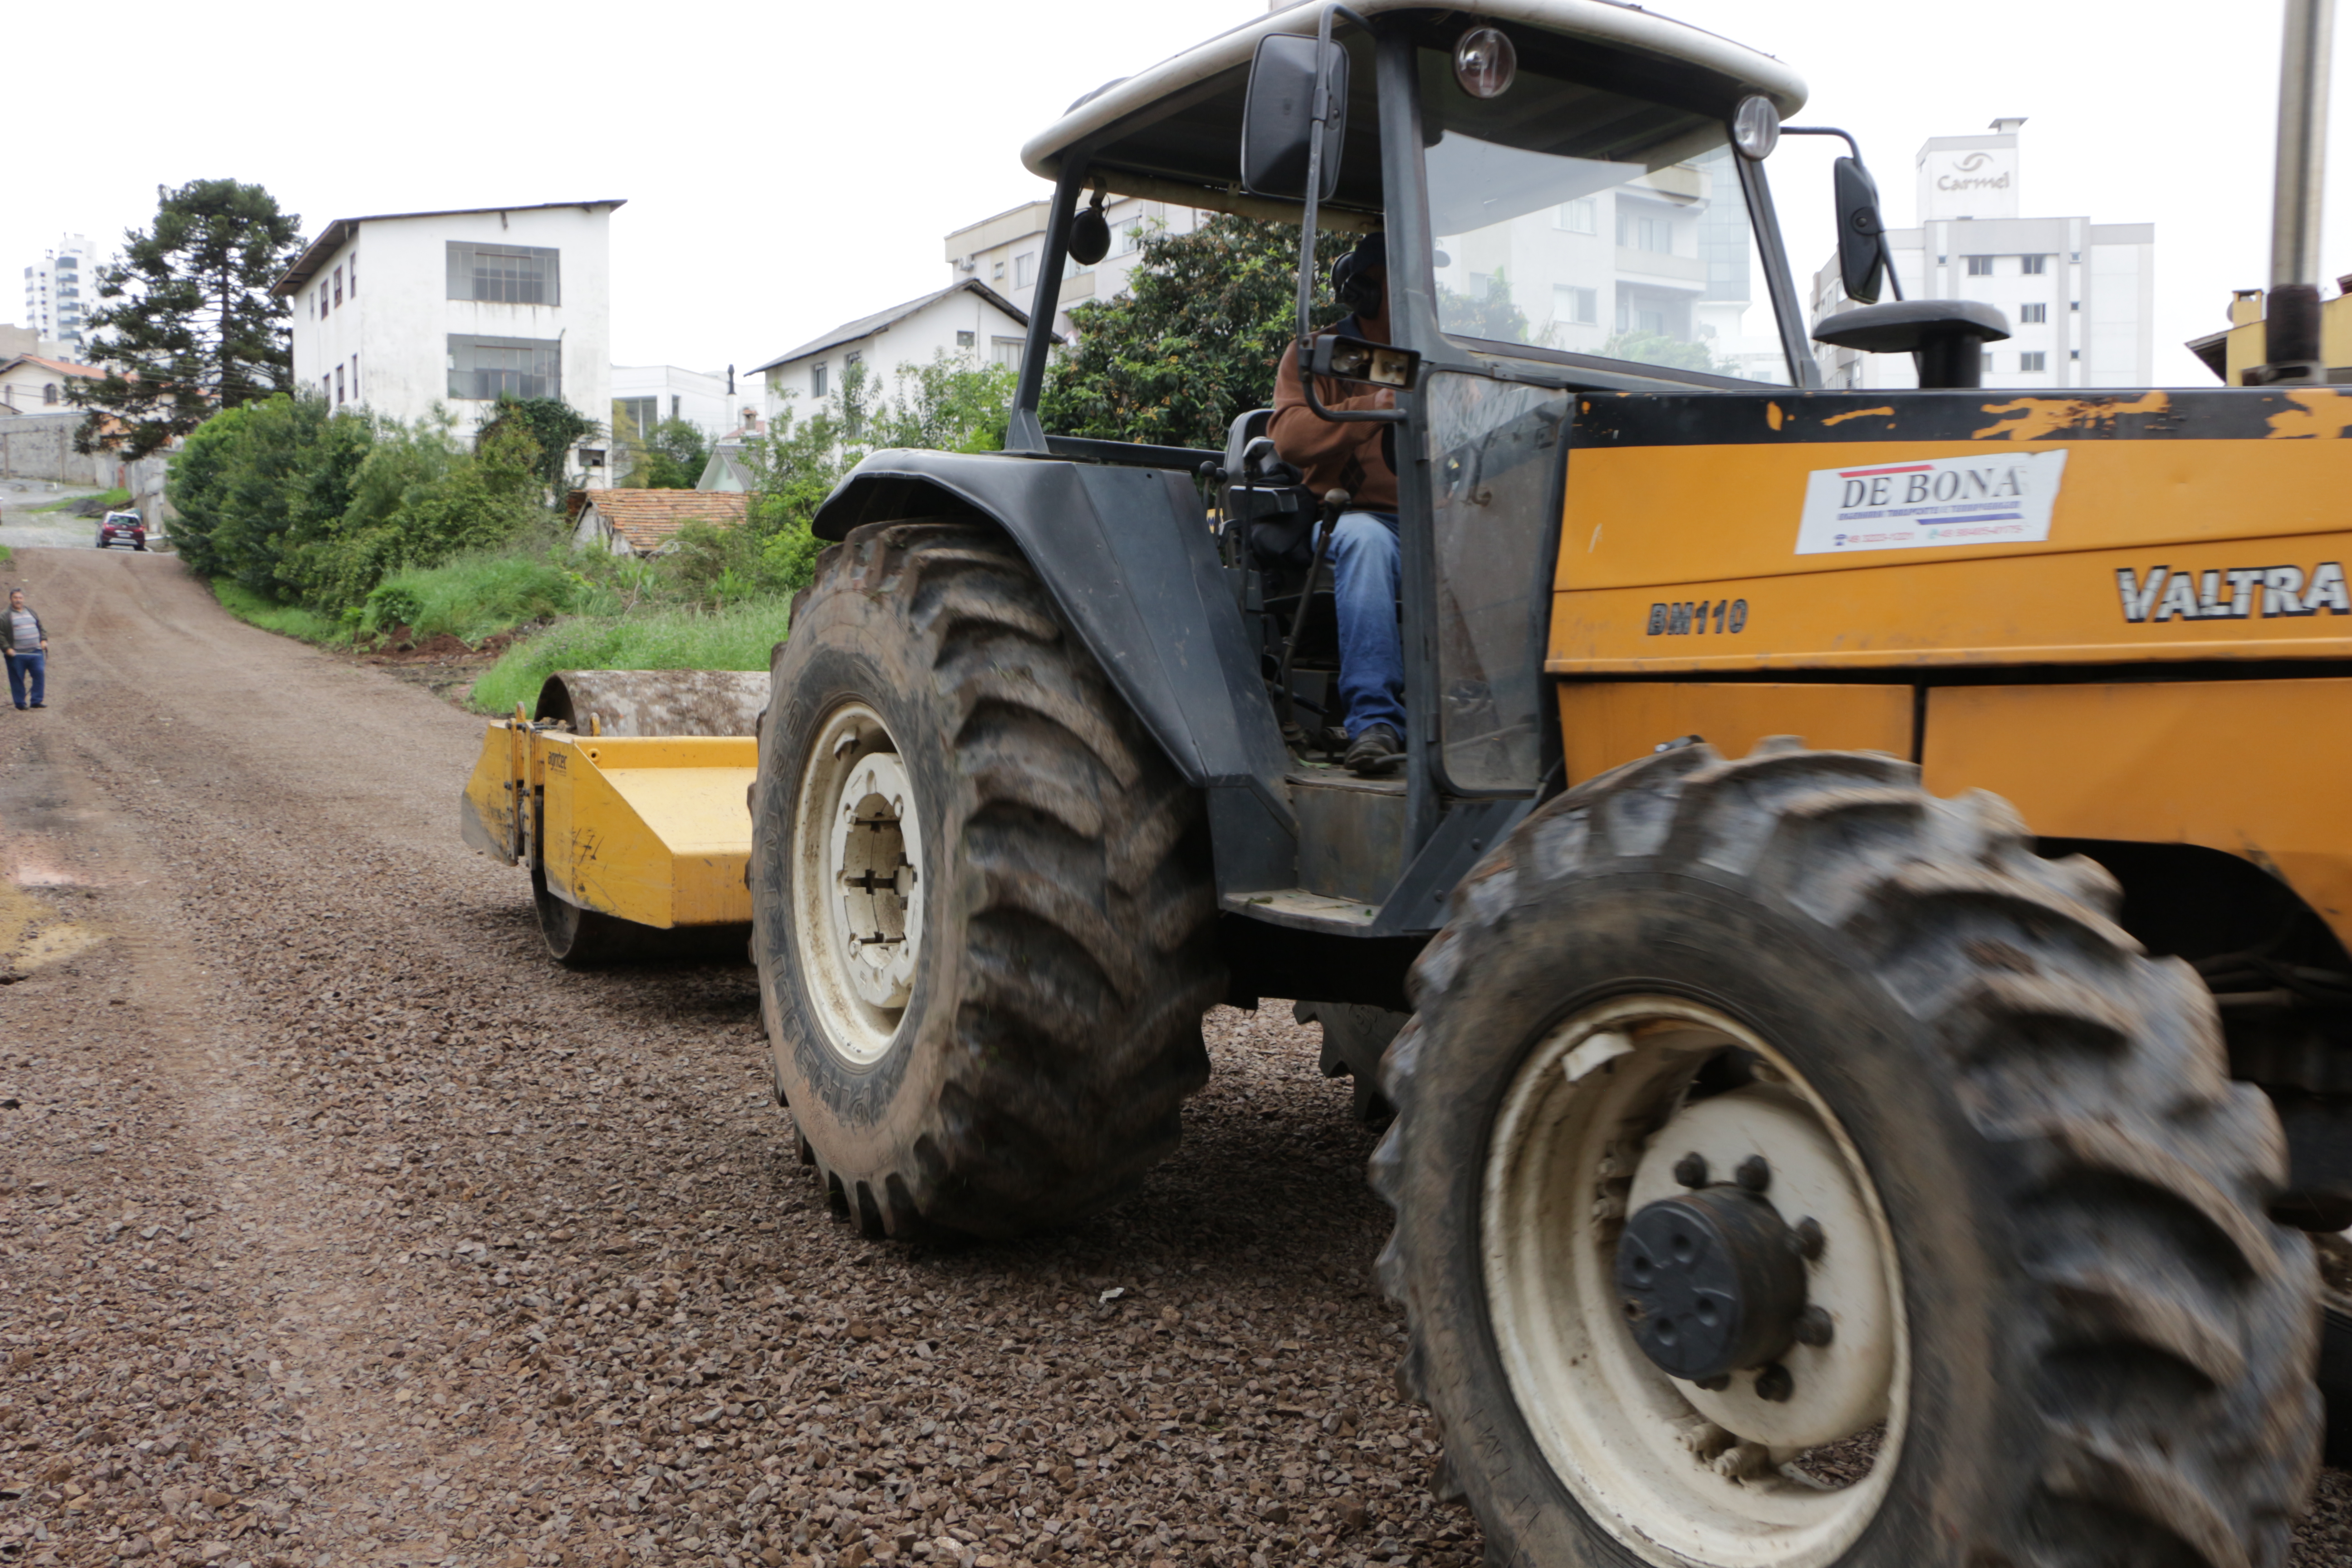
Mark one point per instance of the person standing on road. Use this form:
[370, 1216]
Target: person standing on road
[26, 645]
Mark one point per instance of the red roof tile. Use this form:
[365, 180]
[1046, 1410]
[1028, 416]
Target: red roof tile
[646, 518]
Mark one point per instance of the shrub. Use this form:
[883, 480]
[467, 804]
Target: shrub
[741, 637]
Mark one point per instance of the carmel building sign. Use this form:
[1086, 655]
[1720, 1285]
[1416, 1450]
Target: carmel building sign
[1969, 176]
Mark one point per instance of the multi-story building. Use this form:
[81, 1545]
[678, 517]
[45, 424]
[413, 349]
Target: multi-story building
[1001, 252]
[2080, 296]
[460, 308]
[968, 318]
[60, 291]
[644, 396]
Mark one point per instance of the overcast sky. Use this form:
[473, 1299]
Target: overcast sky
[788, 167]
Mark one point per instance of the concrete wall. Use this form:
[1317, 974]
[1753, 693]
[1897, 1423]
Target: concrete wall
[40, 446]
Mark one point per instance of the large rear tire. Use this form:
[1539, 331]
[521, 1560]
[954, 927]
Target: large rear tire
[2046, 1318]
[982, 911]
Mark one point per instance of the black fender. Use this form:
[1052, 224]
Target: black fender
[1127, 554]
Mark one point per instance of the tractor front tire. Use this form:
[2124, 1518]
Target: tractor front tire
[982, 911]
[2042, 1315]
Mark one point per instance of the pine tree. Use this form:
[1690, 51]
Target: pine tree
[189, 326]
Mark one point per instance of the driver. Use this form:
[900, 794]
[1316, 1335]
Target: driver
[1356, 457]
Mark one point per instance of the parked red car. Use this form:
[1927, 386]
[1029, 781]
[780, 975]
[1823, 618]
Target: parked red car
[121, 528]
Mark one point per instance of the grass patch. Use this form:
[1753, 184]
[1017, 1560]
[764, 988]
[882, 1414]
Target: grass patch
[475, 596]
[5, 556]
[739, 637]
[286, 620]
[89, 506]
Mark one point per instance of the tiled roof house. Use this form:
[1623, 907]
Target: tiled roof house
[641, 522]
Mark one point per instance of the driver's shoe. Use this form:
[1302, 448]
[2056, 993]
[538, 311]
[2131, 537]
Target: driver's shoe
[1378, 751]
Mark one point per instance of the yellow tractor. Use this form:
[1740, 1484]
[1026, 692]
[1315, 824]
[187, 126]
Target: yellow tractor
[1797, 1158]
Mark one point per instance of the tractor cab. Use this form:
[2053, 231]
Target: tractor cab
[1573, 200]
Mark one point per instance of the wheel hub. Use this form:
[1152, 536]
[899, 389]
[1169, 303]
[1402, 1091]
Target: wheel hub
[858, 889]
[1711, 1282]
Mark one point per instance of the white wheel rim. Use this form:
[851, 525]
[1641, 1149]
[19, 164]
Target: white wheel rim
[1590, 1132]
[858, 893]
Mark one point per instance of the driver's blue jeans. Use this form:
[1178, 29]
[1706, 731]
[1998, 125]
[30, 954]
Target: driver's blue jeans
[1363, 553]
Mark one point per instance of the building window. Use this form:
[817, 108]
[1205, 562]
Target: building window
[1581, 215]
[996, 269]
[1007, 351]
[1639, 232]
[504, 274]
[637, 414]
[675, 400]
[1988, 365]
[338, 285]
[1025, 268]
[322, 299]
[352, 267]
[2033, 361]
[2074, 304]
[487, 368]
[816, 379]
[339, 387]
[1980, 266]
[48, 391]
[2032, 266]
[2073, 354]
[327, 390]
[967, 339]
[1582, 306]
[355, 378]
[2036, 312]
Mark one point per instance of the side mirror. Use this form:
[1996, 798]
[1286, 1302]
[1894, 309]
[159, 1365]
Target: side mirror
[1862, 241]
[1278, 117]
[1353, 359]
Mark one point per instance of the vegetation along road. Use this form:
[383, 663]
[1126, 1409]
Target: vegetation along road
[338, 1225]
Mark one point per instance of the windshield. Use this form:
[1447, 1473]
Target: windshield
[1572, 218]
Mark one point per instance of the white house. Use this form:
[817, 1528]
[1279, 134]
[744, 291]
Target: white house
[2080, 296]
[644, 396]
[457, 308]
[968, 317]
[31, 384]
[1003, 252]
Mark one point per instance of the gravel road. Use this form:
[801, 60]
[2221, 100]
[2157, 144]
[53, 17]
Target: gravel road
[338, 1225]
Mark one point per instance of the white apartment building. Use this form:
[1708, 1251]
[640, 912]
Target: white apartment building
[459, 308]
[1003, 252]
[60, 291]
[644, 396]
[966, 317]
[2080, 296]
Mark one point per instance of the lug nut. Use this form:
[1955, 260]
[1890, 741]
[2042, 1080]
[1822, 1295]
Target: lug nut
[1810, 1238]
[1691, 1170]
[1814, 1328]
[1753, 1174]
[1774, 1383]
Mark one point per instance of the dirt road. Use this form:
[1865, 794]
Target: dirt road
[338, 1225]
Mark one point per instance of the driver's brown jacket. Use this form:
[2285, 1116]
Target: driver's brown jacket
[1352, 456]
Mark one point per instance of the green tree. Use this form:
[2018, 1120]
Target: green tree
[187, 326]
[255, 481]
[955, 403]
[669, 456]
[1491, 314]
[553, 425]
[1194, 341]
[1664, 350]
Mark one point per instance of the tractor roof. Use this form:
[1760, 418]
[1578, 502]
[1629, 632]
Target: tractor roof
[1173, 131]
